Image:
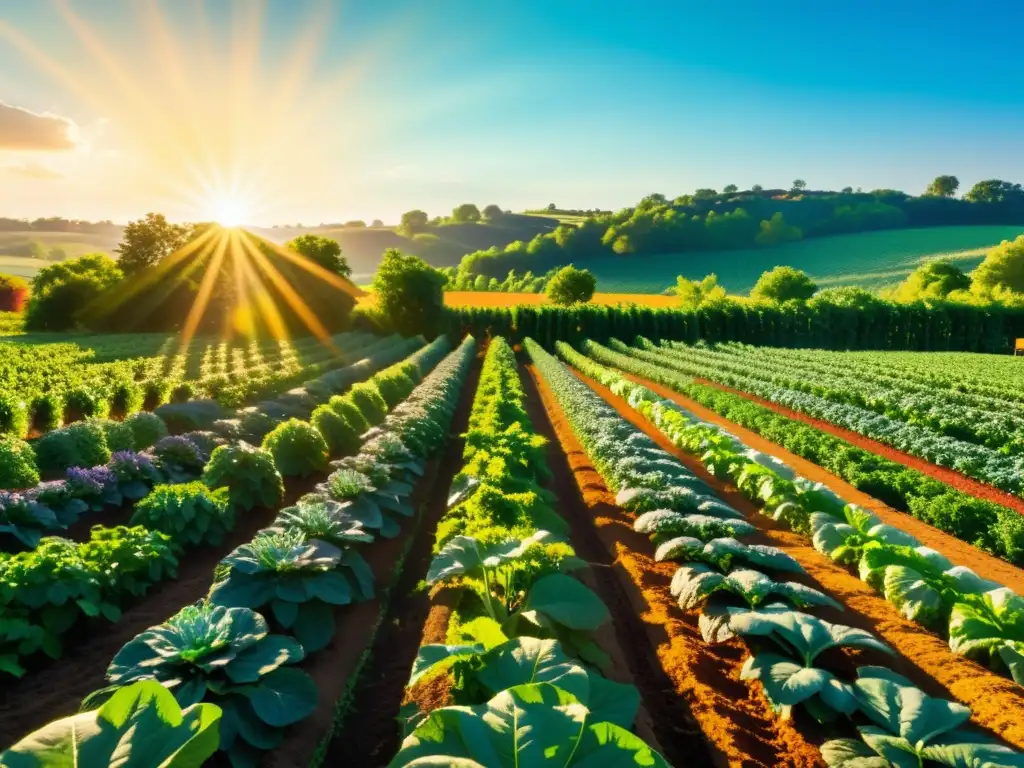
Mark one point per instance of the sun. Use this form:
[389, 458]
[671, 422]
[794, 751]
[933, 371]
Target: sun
[229, 211]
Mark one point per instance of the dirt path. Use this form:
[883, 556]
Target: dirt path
[708, 707]
[997, 703]
[950, 477]
[958, 551]
[369, 733]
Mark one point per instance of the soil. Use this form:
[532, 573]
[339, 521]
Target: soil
[997, 703]
[958, 551]
[109, 517]
[56, 689]
[369, 735]
[701, 712]
[951, 477]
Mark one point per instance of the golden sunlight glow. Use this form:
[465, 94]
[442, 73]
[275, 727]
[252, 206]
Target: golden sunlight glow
[228, 211]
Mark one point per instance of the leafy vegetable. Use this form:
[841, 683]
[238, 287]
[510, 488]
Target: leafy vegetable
[249, 473]
[190, 513]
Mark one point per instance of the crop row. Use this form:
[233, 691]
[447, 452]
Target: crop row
[961, 415]
[979, 617]
[273, 599]
[41, 601]
[990, 526]
[739, 591]
[519, 650]
[985, 464]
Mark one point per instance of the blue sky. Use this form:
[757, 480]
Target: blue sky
[363, 109]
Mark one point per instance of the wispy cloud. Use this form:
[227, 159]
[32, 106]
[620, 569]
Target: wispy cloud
[34, 171]
[24, 130]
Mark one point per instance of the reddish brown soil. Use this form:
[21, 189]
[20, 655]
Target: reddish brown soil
[369, 735]
[701, 682]
[958, 551]
[55, 690]
[950, 477]
[997, 704]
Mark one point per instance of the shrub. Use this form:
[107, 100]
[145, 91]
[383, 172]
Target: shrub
[571, 286]
[61, 291]
[47, 411]
[195, 414]
[298, 448]
[17, 464]
[344, 407]
[127, 397]
[342, 439]
[190, 513]
[784, 284]
[83, 403]
[180, 458]
[369, 402]
[82, 444]
[147, 428]
[136, 473]
[120, 436]
[13, 416]
[249, 473]
[255, 424]
[394, 385]
[157, 392]
[409, 293]
[13, 293]
[185, 391]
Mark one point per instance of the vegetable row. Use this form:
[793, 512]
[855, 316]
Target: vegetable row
[742, 591]
[273, 599]
[519, 652]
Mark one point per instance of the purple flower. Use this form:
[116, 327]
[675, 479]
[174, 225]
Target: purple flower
[129, 466]
[91, 481]
[51, 492]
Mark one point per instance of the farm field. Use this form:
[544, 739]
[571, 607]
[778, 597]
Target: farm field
[642, 552]
[496, 299]
[866, 259]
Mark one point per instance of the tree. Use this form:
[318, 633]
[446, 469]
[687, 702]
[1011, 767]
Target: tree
[322, 251]
[148, 241]
[355, 224]
[784, 284]
[410, 294]
[776, 231]
[61, 291]
[799, 185]
[493, 212]
[936, 279]
[757, 188]
[943, 186]
[13, 293]
[847, 190]
[623, 245]
[571, 286]
[1002, 270]
[729, 189]
[376, 224]
[413, 222]
[466, 212]
[705, 194]
[694, 293]
[993, 191]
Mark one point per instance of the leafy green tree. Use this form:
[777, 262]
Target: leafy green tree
[60, 291]
[571, 286]
[410, 294]
[355, 224]
[757, 188]
[493, 212]
[694, 293]
[729, 189]
[376, 224]
[936, 280]
[775, 231]
[847, 296]
[480, 283]
[322, 251]
[784, 284]
[943, 186]
[623, 245]
[413, 222]
[1002, 270]
[847, 190]
[465, 213]
[705, 194]
[148, 241]
[994, 191]
[799, 185]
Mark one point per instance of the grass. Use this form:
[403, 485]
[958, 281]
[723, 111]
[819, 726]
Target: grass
[868, 259]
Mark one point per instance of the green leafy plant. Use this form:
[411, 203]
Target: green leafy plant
[141, 724]
[368, 400]
[664, 524]
[299, 578]
[47, 411]
[119, 435]
[344, 407]
[227, 657]
[148, 429]
[298, 448]
[17, 463]
[127, 397]
[726, 552]
[250, 475]
[693, 584]
[912, 729]
[14, 416]
[491, 734]
[394, 384]
[990, 627]
[82, 444]
[190, 513]
[342, 439]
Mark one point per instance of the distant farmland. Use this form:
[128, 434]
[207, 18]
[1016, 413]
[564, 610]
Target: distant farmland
[869, 259]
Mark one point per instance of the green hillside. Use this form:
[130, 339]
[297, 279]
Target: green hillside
[869, 259]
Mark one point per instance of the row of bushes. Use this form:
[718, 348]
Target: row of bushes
[818, 324]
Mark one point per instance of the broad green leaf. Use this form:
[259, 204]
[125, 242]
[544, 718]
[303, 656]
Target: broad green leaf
[525, 660]
[693, 584]
[567, 601]
[283, 697]
[969, 749]
[314, 627]
[898, 751]
[912, 595]
[432, 655]
[264, 657]
[679, 548]
[850, 753]
[904, 710]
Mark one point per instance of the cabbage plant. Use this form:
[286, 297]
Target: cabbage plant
[140, 725]
[225, 656]
[725, 552]
[300, 579]
[693, 584]
[664, 524]
[523, 725]
[990, 627]
[910, 729]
